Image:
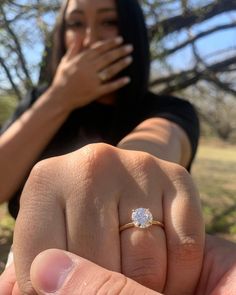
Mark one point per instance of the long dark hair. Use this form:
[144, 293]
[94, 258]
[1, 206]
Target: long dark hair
[131, 26]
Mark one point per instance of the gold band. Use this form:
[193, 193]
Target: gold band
[103, 76]
[131, 224]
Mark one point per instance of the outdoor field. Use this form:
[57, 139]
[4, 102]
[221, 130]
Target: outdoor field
[214, 172]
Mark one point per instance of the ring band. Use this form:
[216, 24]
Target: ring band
[103, 76]
[141, 218]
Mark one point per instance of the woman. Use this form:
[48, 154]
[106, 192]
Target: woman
[98, 93]
[78, 107]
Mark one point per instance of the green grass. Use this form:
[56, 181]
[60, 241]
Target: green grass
[214, 172]
[7, 106]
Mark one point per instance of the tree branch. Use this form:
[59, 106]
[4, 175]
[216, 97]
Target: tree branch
[167, 52]
[16, 89]
[18, 47]
[176, 23]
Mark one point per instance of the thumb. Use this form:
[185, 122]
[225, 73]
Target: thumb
[58, 272]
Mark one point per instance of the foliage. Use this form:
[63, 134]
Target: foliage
[7, 106]
[177, 30]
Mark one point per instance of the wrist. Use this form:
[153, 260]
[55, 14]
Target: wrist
[57, 101]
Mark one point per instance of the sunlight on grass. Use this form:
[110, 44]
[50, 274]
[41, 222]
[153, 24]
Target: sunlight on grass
[214, 172]
[224, 154]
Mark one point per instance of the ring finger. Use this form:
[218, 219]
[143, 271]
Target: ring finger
[103, 61]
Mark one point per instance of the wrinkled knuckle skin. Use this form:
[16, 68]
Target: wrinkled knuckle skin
[27, 289]
[179, 173]
[188, 250]
[96, 157]
[145, 163]
[115, 284]
[109, 283]
[145, 272]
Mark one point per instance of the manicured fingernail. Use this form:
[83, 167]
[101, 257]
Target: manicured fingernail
[127, 80]
[50, 270]
[119, 40]
[129, 48]
[128, 59]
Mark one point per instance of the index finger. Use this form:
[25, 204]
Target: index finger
[105, 45]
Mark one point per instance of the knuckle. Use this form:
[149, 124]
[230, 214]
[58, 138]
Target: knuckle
[97, 156]
[109, 283]
[188, 249]
[178, 173]
[39, 179]
[114, 284]
[44, 179]
[143, 270]
[26, 288]
[145, 162]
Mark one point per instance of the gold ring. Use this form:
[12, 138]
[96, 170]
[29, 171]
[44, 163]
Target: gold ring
[103, 76]
[141, 218]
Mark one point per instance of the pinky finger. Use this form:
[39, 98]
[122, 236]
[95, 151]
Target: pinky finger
[115, 85]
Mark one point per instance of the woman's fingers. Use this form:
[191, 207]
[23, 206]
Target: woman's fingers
[184, 230]
[40, 224]
[104, 61]
[62, 273]
[101, 47]
[174, 253]
[113, 86]
[143, 251]
[144, 257]
[114, 69]
[78, 202]
[91, 209]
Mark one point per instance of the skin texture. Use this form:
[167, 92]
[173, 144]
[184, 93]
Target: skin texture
[138, 180]
[80, 276]
[90, 50]
[81, 210]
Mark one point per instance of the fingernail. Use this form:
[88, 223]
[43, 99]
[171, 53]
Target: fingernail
[128, 59]
[50, 270]
[127, 80]
[129, 48]
[119, 40]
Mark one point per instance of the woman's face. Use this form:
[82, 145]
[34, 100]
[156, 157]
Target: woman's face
[89, 21]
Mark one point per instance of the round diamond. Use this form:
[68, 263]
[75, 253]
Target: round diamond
[142, 217]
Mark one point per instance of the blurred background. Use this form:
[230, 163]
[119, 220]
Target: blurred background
[193, 47]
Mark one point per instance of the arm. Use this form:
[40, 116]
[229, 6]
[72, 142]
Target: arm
[161, 138]
[25, 139]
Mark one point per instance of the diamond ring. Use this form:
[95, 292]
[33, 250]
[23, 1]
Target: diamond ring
[141, 218]
[103, 76]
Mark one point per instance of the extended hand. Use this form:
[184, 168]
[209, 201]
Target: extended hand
[78, 201]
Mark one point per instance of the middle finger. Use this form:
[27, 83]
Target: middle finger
[110, 57]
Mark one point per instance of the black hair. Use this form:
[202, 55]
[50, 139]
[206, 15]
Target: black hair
[133, 29]
[131, 26]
